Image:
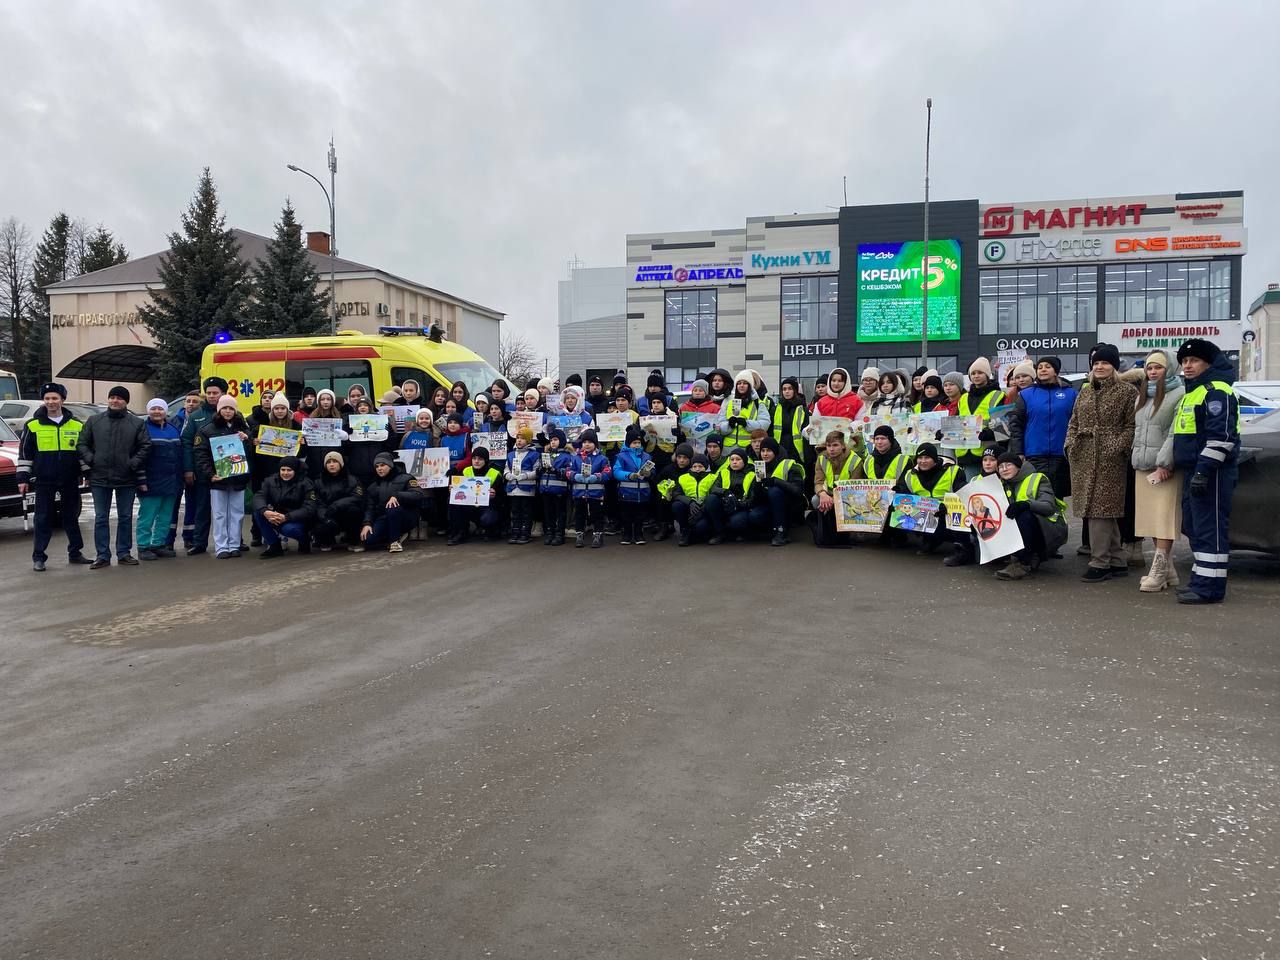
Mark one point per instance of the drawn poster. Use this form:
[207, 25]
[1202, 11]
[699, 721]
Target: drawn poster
[819, 426]
[862, 506]
[323, 432]
[733, 408]
[228, 456]
[914, 513]
[428, 465]
[612, 427]
[368, 427]
[525, 418]
[570, 423]
[469, 491]
[955, 513]
[278, 441]
[697, 427]
[555, 405]
[495, 441]
[985, 502]
[898, 420]
[402, 414]
[662, 428]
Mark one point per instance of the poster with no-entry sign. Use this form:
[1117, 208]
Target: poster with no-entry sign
[892, 278]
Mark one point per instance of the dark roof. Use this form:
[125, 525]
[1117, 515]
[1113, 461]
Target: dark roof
[145, 271]
[1271, 296]
[126, 362]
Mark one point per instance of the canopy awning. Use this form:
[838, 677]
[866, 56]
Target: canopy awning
[125, 363]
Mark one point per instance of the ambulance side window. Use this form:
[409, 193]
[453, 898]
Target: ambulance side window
[428, 383]
[335, 375]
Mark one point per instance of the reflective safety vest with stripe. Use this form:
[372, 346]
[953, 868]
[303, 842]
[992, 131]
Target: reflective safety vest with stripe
[894, 471]
[940, 489]
[1028, 490]
[830, 474]
[740, 436]
[747, 480]
[55, 437]
[1184, 421]
[493, 475]
[695, 487]
[783, 468]
[797, 418]
[992, 399]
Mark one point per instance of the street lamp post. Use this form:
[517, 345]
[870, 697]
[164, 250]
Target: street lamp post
[333, 239]
[924, 315]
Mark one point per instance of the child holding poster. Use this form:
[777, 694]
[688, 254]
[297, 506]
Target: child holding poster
[226, 482]
[588, 473]
[522, 483]
[633, 469]
[553, 486]
[1039, 514]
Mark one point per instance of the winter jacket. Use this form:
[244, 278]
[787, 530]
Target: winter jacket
[552, 479]
[416, 439]
[706, 406]
[846, 404]
[632, 487]
[893, 403]
[742, 485]
[789, 480]
[337, 492]
[113, 448]
[719, 398]
[1043, 502]
[48, 454]
[788, 421]
[396, 484]
[642, 403]
[754, 415]
[587, 475]
[295, 498]
[196, 419]
[1153, 429]
[164, 460]
[266, 465]
[522, 471]
[1217, 437]
[1038, 421]
[204, 453]
[459, 447]
[1098, 446]
[314, 456]
[359, 454]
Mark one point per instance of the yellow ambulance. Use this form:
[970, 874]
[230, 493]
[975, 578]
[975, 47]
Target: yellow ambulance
[376, 361]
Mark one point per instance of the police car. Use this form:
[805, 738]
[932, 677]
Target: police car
[1257, 397]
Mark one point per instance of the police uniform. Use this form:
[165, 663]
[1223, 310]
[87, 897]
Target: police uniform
[1206, 445]
[49, 462]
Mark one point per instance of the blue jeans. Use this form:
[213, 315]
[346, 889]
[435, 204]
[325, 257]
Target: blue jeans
[102, 522]
[289, 530]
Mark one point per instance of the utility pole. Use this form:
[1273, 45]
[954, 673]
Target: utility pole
[924, 262]
[333, 239]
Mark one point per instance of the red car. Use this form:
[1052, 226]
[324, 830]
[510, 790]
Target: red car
[10, 499]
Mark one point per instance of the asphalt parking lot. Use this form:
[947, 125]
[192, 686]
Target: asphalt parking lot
[640, 752]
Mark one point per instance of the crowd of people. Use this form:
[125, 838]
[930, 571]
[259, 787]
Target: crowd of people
[1143, 453]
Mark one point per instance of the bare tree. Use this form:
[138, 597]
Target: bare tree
[15, 289]
[518, 361]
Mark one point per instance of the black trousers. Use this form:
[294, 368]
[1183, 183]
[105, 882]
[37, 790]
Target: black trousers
[588, 512]
[521, 515]
[68, 511]
[555, 512]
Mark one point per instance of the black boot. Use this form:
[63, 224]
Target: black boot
[597, 540]
[580, 538]
[779, 537]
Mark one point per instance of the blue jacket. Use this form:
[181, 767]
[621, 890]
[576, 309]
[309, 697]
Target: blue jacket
[417, 440]
[1039, 426]
[1216, 442]
[164, 460]
[553, 481]
[522, 471]
[631, 488]
[642, 403]
[589, 483]
[458, 447]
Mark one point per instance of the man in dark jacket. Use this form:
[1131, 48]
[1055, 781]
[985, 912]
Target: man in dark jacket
[285, 508]
[49, 463]
[1038, 424]
[197, 489]
[391, 505]
[113, 449]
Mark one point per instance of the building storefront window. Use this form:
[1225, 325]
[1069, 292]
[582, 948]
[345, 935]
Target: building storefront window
[808, 324]
[1038, 300]
[1186, 291]
[909, 364]
[690, 338]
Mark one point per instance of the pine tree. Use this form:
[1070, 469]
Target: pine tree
[288, 299]
[206, 291]
[102, 251]
[49, 265]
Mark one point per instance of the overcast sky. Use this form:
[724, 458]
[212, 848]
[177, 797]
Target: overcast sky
[483, 145]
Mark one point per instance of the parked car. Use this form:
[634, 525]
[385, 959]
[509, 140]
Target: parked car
[10, 499]
[1255, 522]
[1257, 397]
[16, 413]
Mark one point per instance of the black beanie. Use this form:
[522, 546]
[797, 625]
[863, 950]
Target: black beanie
[715, 438]
[821, 378]
[1204, 350]
[684, 450]
[1055, 362]
[293, 463]
[935, 382]
[920, 372]
[573, 380]
[118, 391]
[655, 380]
[596, 380]
[768, 443]
[1106, 353]
[482, 452]
[586, 435]
[884, 430]
[991, 452]
[927, 450]
[702, 459]
[1008, 457]
[634, 433]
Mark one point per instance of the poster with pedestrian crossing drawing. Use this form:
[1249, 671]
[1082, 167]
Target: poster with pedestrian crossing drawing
[368, 427]
[323, 432]
[495, 441]
[228, 456]
[469, 491]
[278, 441]
[914, 513]
[862, 506]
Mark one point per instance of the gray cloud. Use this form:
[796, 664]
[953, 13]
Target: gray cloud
[483, 145]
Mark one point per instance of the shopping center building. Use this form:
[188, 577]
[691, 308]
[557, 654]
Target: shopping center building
[98, 339]
[797, 295]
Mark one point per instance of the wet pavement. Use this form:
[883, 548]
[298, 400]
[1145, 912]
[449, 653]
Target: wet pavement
[640, 752]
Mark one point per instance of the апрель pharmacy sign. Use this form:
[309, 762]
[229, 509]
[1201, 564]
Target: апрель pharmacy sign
[688, 275]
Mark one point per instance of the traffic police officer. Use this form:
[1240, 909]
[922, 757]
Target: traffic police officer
[1206, 445]
[49, 463]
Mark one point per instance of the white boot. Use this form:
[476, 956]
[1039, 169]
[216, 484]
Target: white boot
[1158, 578]
[1172, 577]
